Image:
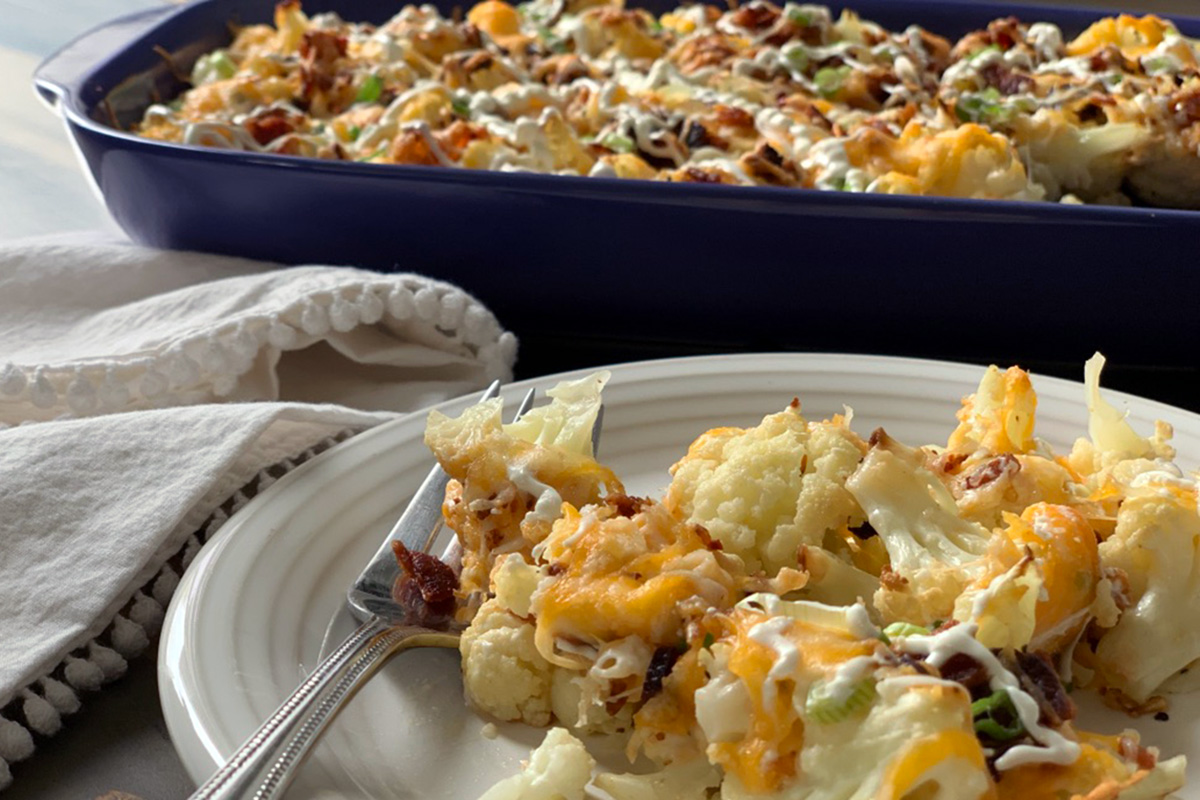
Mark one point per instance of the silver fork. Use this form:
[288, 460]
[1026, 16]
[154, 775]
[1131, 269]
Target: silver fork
[264, 765]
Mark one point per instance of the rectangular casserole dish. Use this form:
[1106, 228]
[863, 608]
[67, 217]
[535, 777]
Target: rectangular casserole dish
[646, 261]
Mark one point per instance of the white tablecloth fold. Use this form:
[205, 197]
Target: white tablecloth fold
[145, 396]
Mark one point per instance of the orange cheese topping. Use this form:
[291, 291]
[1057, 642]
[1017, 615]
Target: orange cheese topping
[767, 756]
[616, 576]
[1135, 36]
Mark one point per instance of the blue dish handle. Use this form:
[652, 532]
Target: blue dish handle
[63, 73]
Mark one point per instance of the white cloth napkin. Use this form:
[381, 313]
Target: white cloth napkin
[141, 402]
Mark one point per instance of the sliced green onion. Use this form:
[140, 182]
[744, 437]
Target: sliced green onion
[708, 640]
[216, 66]
[829, 80]
[996, 717]
[977, 106]
[353, 132]
[461, 106]
[983, 51]
[555, 42]
[798, 58]
[897, 629]
[617, 143]
[370, 91]
[799, 17]
[820, 706]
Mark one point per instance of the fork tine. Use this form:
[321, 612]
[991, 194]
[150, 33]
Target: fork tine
[526, 404]
[596, 427]
[418, 526]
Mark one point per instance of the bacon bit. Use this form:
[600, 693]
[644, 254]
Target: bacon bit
[480, 60]
[945, 626]
[561, 70]
[1004, 33]
[1004, 465]
[699, 175]
[706, 537]
[892, 580]
[1006, 79]
[879, 437]
[555, 569]
[949, 462]
[270, 125]
[963, 669]
[627, 506]
[734, 117]
[710, 50]
[1040, 680]
[435, 581]
[1132, 750]
[661, 664]
[755, 17]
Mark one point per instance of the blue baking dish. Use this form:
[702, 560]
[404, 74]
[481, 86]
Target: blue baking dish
[645, 261]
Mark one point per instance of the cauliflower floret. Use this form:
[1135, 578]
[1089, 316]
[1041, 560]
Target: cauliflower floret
[503, 673]
[765, 491]
[1112, 438]
[934, 552]
[1157, 545]
[559, 769]
[510, 481]
[999, 417]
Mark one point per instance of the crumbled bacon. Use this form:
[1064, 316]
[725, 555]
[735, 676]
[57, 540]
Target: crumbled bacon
[1004, 465]
[434, 582]
[1007, 80]
[755, 16]
[710, 50]
[269, 125]
[1041, 682]
[963, 669]
[661, 664]
[625, 505]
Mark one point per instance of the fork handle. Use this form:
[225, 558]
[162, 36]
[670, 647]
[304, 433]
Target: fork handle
[264, 765]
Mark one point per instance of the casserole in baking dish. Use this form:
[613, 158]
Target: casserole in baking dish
[708, 263]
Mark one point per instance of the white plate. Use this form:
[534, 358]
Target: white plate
[249, 618]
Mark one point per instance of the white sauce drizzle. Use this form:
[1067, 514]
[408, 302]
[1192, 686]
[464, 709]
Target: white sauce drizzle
[548, 506]
[939, 648]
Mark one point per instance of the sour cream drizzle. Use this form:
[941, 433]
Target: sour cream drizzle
[941, 647]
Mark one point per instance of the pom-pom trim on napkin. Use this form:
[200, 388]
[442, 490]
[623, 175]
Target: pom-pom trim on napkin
[207, 366]
[38, 709]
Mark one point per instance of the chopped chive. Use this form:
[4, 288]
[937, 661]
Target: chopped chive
[461, 106]
[353, 132]
[708, 640]
[799, 16]
[371, 89]
[829, 80]
[820, 706]
[617, 143]
[898, 629]
[983, 51]
[996, 717]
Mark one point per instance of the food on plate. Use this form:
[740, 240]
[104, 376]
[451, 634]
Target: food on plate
[756, 94]
[808, 613]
